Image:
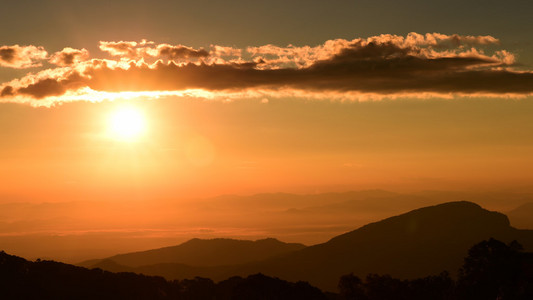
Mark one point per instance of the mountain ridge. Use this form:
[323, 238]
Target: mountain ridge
[402, 246]
[204, 253]
[418, 243]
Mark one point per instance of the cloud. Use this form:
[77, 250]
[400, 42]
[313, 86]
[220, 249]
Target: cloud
[69, 56]
[180, 52]
[225, 51]
[7, 91]
[381, 66]
[21, 57]
[134, 50]
[126, 49]
[52, 86]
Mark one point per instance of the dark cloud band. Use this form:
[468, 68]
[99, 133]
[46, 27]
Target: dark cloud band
[384, 65]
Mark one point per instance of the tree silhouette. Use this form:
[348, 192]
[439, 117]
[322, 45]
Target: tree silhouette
[494, 270]
[351, 287]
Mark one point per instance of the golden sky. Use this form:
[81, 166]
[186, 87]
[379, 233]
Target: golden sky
[171, 101]
[192, 147]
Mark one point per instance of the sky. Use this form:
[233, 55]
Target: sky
[154, 101]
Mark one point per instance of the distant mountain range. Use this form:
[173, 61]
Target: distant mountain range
[421, 242]
[522, 216]
[74, 231]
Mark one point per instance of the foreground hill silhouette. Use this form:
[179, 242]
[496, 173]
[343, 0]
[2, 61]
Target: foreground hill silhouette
[416, 244]
[22, 279]
[203, 253]
[491, 270]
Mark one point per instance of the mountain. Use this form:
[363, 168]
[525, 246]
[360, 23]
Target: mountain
[201, 253]
[522, 216]
[419, 243]
[422, 242]
[74, 231]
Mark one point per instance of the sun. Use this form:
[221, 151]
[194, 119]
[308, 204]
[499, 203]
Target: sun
[127, 124]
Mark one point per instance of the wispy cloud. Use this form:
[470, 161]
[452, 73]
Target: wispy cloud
[380, 66]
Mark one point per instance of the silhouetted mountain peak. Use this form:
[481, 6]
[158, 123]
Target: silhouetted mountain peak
[452, 218]
[418, 243]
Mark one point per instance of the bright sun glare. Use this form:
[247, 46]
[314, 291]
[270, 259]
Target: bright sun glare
[127, 124]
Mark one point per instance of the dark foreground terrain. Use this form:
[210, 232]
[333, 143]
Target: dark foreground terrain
[492, 270]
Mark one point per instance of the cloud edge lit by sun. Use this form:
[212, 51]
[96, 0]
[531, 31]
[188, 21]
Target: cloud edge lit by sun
[385, 66]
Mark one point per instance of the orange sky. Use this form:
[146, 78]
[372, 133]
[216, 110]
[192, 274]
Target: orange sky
[328, 98]
[197, 148]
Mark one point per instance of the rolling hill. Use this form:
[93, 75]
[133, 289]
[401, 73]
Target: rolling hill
[202, 253]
